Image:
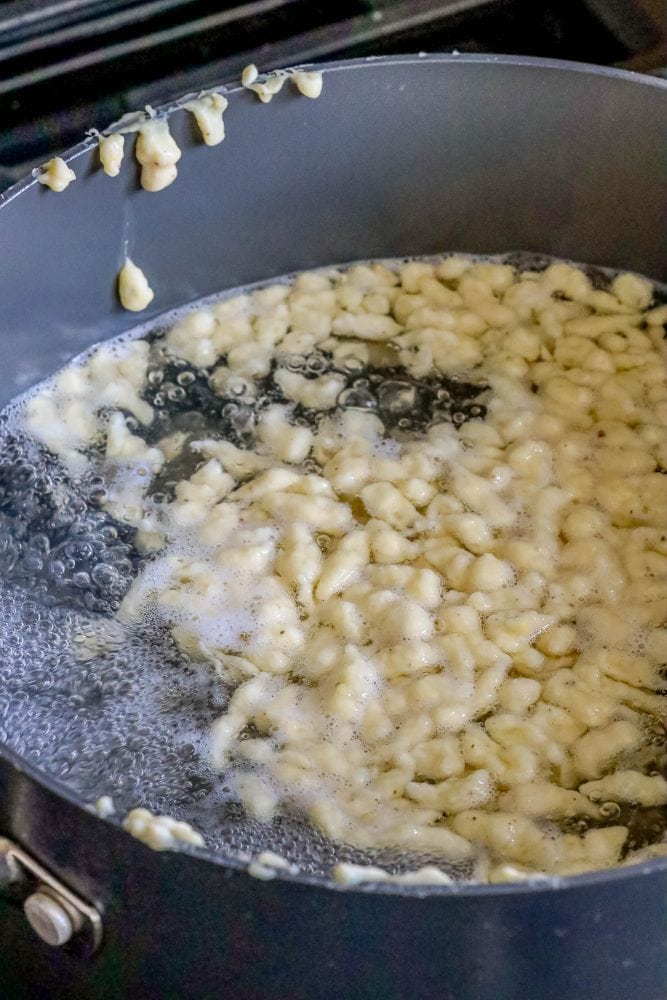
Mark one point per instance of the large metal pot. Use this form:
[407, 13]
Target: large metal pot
[399, 156]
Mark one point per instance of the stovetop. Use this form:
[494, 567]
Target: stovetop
[69, 65]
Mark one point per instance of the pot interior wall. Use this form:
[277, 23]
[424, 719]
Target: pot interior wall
[398, 157]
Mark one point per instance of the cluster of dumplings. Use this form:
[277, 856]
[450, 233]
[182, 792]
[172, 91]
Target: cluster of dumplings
[452, 643]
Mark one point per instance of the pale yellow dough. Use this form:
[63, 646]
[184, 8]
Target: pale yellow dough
[450, 643]
[208, 111]
[158, 153]
[111, 153]
[161, 833]
[134, 291]
[57, 175]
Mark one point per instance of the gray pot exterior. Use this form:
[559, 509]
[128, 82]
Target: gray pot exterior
[398, 157]
[178, 925]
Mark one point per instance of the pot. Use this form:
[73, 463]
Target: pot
[400, 156]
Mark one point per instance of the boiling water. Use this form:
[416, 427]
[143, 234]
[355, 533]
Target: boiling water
[109, 709]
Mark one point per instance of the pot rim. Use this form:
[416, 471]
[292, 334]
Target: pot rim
[600, 878]
[344, 65]
[541, 884]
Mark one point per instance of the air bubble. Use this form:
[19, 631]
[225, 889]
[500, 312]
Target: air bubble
[397, 397]
[357, 398]
[316, 364]
[324, 542]
[294, 362]
[104, 576]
